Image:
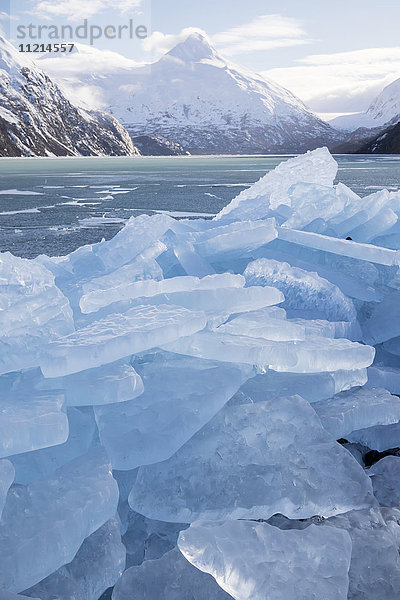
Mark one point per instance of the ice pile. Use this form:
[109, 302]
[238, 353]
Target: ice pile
[208, 409]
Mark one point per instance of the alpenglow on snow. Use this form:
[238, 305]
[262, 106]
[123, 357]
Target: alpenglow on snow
[208, 408]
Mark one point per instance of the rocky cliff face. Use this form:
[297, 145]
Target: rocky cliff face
[36, 119]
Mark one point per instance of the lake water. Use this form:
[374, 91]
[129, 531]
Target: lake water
[55, 205]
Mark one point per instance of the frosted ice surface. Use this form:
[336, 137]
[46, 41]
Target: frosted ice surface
[271, 190]
[126, 290]
[44, 524]
[334, 329]
[31, 421]
[7, 474]
[98, 564]
[302, 290]
[181, 395]
[171, 577]
[33, 311]
[262, 562]
[385, 475]
[384, 321]
[313, 355]
[108, 384]
[358, 409]
[244, 464]
[117, 336]
[43, 463]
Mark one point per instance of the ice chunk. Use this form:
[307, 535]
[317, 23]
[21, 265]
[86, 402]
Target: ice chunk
[386, 377]
[4, 595]
[43, 463]
[146, 539]
[375, 562]
[358, 409]
[119, 335]
[379, 437]
[258, 324]
[31, 421]
[363, 252]
[98, 564]
[244, 464]
[314, 355]
[261, 562]
[271, 190]
[384, 321]
[385, 475]
[94, 300]
[171, 577]
[235, 239]
[303, 290]
[108, 384]
[33, 311]
[311, 386]
[44, 524]
[334, 329]
[181, 395]
[313, 203]
[7, 475]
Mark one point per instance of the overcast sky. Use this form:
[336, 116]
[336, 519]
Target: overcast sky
[336, 55]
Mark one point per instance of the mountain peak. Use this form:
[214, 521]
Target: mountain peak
[195, 48]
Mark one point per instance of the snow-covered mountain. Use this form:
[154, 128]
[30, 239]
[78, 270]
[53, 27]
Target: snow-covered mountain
[36, 119]
[194, 97]
[384, 110]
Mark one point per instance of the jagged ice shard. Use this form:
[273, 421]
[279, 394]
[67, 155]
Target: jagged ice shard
[233, 369]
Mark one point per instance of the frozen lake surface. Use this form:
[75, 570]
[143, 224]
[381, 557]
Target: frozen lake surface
[55, 205]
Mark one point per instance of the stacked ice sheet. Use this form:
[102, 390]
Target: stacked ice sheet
[192, 409]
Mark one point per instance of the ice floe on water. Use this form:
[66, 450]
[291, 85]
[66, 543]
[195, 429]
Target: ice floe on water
[208, 408]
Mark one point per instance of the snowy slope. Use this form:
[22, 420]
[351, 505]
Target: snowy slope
[36, 119]
[198, 99]
[385, 109]
[195, 97]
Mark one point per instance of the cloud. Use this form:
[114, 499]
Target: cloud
[263, 33]
[159, 43]
[341, 82]
[76, 10]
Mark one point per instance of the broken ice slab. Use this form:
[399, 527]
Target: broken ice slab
[262, 562]
[258, 324]
[5, 595]
[311, 386]
[7, 475]
[385, 377]
[358, 409]
[44, 524]
[270, 191]
[385, 476]
[364, 252]
[244, 465]
[302, 289]
[33, 311]
[313, 355]
[384, 320]
[96, 299]
[379, 437]
[108, 384]
[31, 420]
[43, 463]
[98, 564]
[170, 577]
[181, 395]
[118, 336]
[234, 240]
